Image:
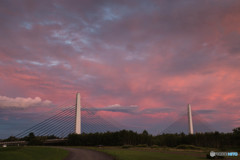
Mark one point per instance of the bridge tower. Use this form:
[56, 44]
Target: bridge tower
[78, 114]
[190, 122]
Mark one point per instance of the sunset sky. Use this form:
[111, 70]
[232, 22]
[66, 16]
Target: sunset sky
[140, 62]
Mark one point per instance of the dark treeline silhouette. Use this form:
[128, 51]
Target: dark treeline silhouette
[110, 138]
[31, 139]
[126, 137]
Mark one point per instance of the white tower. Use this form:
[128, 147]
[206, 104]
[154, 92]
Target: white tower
[78, 115]
[190, 122]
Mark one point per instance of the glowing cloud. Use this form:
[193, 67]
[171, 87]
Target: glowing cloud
[19, 102]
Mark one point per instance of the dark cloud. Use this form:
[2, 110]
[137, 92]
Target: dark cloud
[132, 109]
[115, 108]
[232, 41]
[205, 111]
[156, 110]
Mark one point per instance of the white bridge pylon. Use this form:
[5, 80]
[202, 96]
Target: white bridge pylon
[190, 121]
[78, 114]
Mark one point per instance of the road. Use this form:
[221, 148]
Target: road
[85, 154]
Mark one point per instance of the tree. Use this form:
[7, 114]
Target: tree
[236, 136]
[33, 140]
[145, 133]
[236, 131]
[11, 138]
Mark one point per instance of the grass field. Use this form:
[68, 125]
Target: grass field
[155, 154]
[32, 153]
[152, 154]
[135, 153]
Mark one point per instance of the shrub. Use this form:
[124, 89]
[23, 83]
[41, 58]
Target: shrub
[142, 145]
[154, 146]
[184, 146]
[127, 146]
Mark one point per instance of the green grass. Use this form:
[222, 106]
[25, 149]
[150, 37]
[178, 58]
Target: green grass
[148, 153]
[32, 153]
[152, 154]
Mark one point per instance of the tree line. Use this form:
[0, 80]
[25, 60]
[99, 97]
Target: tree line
[128, 137]
[124, 137]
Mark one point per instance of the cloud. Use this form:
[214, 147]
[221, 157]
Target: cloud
[132, 109]
[115, 108]
[19, 102]
[232, 42]
[205, 111]
[156, 110]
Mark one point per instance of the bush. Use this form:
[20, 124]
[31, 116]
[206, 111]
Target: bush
[184, 146]
[142, 145]
[127, 146]
[154, 146]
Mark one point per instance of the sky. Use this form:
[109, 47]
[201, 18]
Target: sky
[139, 62]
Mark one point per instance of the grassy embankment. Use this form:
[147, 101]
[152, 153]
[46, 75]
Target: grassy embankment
[32, 153]
[137, 153]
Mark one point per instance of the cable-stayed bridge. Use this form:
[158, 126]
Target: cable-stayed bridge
[80, 119]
